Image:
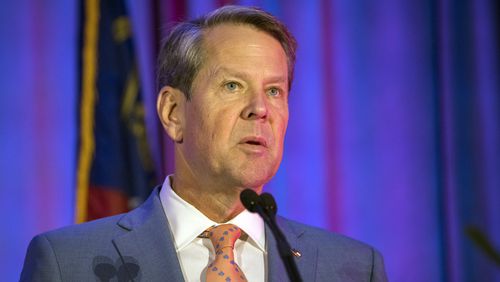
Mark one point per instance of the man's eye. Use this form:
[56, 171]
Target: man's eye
[273, 92]
[231, 86]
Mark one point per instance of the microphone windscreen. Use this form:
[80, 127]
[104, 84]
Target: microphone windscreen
[249, 199]
[269, 203]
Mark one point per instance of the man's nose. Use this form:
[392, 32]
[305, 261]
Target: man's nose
[257, 107]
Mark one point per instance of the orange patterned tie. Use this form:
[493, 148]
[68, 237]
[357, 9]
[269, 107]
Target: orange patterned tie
[224, 268]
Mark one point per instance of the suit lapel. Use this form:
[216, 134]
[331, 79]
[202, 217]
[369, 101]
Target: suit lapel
[306, 263]
[149, 242]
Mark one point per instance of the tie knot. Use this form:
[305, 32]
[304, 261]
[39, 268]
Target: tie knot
[224, 235]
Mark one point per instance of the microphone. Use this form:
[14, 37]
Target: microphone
[249, 199]
[266, 207]
[269, 204]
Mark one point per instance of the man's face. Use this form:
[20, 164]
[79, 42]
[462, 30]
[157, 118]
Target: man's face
[235, 123]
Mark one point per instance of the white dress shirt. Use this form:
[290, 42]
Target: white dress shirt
[195, 254]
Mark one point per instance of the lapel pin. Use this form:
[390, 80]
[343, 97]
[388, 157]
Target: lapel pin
[296, 253]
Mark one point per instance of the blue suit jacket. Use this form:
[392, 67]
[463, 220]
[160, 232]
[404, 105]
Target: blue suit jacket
[138, 246]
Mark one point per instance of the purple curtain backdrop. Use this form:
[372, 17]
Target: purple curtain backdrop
[38, 85]
[394, 133]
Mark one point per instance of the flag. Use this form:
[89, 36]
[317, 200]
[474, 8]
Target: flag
[115, 171]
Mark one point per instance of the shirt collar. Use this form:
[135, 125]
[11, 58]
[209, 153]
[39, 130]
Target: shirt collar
[179, 213]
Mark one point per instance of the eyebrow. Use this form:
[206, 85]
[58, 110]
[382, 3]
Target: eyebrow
[214, 72]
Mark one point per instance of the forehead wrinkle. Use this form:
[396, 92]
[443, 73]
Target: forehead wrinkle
[277, 79]
[213, 71]
[218, 70]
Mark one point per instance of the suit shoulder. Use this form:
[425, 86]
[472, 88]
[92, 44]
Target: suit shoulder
[92, 229]
[339, 256]
[326, 238]
[58, 254]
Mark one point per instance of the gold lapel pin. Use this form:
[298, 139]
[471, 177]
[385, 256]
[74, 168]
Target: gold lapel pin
[296, 253]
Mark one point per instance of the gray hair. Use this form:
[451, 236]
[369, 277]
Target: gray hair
[182, 54]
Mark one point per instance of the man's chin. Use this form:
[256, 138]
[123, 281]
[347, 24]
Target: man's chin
[254, 185]
[255, 179]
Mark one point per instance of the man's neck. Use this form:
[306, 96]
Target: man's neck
[219, 204]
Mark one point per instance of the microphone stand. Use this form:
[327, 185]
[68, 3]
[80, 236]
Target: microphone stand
[285, 251]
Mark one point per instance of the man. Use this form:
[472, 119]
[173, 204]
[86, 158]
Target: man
[224, 81]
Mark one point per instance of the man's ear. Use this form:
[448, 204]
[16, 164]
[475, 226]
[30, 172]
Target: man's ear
[170, 107]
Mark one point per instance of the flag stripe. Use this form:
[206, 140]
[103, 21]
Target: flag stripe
[87, 106]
